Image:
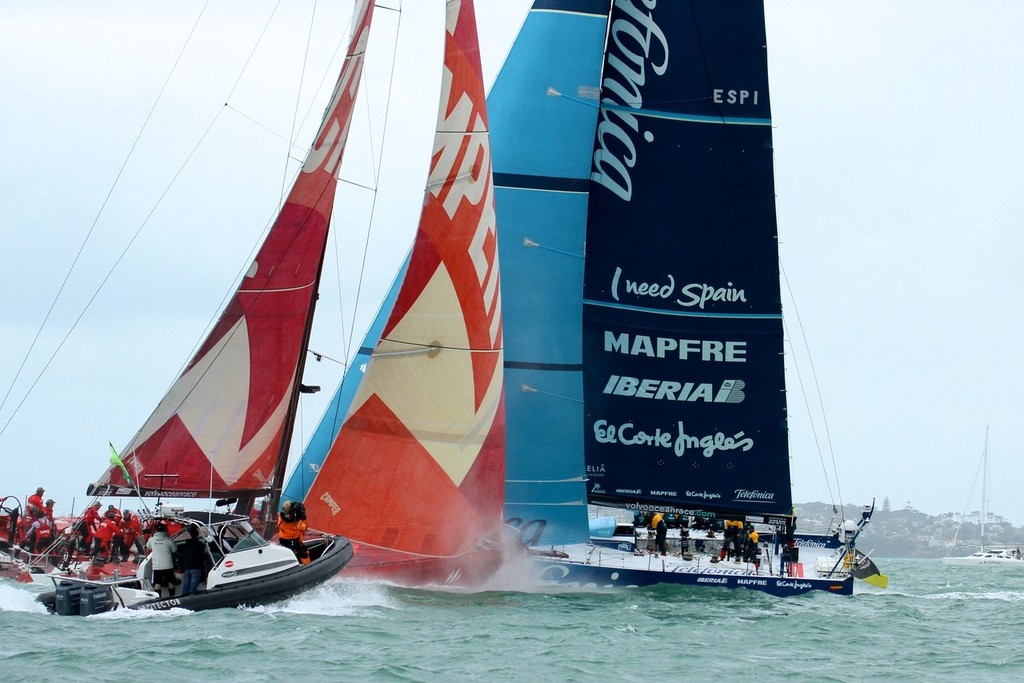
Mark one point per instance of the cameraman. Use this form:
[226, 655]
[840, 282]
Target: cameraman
[291, 529]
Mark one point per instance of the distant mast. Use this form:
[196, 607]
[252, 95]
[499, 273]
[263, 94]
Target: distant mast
[984, 487]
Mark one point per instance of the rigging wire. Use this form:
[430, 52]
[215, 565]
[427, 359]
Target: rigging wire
[373, 203]
[348, 330]
[88, 236]
[807, 404]
[231, 293]
[298, 98]
[156, 205]
[285, 186]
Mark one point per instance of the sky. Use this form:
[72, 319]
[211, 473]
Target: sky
[898, 180]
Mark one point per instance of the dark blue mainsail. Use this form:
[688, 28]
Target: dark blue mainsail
[684, 388]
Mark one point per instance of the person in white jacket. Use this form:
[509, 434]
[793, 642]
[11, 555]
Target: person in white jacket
[162, 559]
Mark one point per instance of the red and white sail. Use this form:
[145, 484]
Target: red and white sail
[416, 473]
[223, 427]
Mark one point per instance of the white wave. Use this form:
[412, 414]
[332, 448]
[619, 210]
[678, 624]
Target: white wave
[120, 614]
[1002, 596]
[18, 598]
[336, 598]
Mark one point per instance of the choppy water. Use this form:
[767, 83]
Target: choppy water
[934, 623]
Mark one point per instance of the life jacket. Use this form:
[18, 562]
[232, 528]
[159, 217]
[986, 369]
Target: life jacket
[44, 530]
[290, 530]
[35, 501]
[92, 519]
[132, 529]
[106, 531]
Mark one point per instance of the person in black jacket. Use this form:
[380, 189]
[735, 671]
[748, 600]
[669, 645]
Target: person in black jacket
[193, 561]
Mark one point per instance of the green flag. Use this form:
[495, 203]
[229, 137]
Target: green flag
[115, 459]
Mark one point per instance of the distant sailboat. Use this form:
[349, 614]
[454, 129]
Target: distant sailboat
[989, 554]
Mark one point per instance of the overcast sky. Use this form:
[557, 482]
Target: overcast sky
[898, 173]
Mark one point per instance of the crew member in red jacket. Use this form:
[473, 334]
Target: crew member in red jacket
[87, 525]
[92, 517]
[103, 535]
[131, 529]
[35, 501]
[40, 534]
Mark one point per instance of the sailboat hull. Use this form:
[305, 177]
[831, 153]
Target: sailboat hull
[590, 566]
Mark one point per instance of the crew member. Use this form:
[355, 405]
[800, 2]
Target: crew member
[660, 532]
[40, 534]
[92, 518]
[751, 549]
[104, 534]
[291, 528]
[193, 561]
[86, 525]
[162, 555]
[131, 529]
[35, 501]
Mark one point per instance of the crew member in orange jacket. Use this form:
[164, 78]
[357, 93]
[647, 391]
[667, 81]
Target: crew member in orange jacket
[291, 528]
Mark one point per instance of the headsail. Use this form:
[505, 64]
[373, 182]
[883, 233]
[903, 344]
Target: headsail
[543, 110]
[223, 427]
[684, 382]
[417, 466]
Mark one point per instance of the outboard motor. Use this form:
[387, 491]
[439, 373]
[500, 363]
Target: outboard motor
[68, 598]
[96, 599]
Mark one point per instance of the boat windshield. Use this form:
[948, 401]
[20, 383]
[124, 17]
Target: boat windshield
[236, 538]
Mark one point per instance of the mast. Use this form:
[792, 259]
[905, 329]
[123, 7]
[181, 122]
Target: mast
[281, 466]
[984, 487]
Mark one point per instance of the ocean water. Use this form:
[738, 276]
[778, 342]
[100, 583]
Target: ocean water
[934, 623]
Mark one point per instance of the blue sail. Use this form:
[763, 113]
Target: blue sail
[543, 110]
[682, 331]
[326, 431]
